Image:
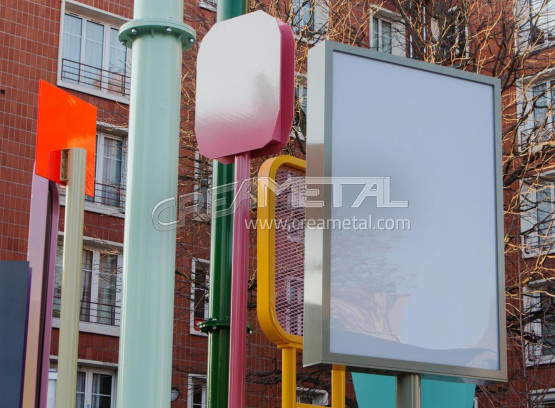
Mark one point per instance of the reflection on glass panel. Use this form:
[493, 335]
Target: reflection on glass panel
[72, 47]
[94, 45]
[107, 278]
[102, 391]
[80, 393]
[111, 179]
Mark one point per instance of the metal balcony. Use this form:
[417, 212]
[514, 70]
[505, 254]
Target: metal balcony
[96, 78]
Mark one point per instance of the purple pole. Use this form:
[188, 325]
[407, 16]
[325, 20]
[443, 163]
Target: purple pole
[239, 284]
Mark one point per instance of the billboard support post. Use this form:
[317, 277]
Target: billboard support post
[220, 265]
[71, 275]
[239, 285]
[408, 391]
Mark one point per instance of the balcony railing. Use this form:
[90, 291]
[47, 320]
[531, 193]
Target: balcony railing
[93, 312]
[96, 78]
[111, 195]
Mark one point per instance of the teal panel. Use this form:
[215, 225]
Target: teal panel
[378, 391]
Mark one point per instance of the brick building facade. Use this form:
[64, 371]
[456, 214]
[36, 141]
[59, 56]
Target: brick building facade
[74, 45]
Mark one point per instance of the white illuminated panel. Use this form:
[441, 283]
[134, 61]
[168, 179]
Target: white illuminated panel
[413, 245]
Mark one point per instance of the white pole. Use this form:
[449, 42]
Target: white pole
[71, 278]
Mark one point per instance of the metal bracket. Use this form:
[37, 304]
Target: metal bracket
[211, 325]
[132, 30]
[63, 165]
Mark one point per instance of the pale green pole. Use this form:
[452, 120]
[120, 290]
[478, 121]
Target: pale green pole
[157, 35]
[73, 171]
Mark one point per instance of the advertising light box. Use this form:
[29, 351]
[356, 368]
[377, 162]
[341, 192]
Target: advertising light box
[404, 269]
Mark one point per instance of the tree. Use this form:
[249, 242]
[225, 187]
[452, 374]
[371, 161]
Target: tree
[507, 39]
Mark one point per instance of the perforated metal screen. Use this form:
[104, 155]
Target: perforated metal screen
[289, 249]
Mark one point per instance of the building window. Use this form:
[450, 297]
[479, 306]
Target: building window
[539, 304]
[203, 188]
[537, 210]
[109, 189]
[92, 58]
[95, 388]
[199, 293]
[538, 128]
[539, 26]
[303, 15]
[110, 175]
[196, 391]
[452, 37]
[312, 396]
[387, 33]
[299, 120]
[100, 286]
[382, 35]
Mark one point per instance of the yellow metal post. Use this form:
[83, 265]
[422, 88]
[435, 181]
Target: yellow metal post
[288, 377]
[338, 386]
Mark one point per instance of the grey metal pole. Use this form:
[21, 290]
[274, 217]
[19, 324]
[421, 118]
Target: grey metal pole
[71, 276]
[408, 391]
[157, 35]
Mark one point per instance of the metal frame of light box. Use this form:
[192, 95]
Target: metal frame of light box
[317, 256]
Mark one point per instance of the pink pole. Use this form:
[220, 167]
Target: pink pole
[239, 285]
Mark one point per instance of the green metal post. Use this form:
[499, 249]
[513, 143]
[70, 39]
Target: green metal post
[220, 264]
[157, 35]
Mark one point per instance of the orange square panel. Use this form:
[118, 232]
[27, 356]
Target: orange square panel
[64, 122]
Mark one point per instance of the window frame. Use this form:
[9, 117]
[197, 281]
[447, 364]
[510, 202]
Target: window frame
[301, 88]
[532, 303]
[204, 212]
[107, 20]
[192, 323]
[532, 21]
[100, 170]
[95, 204]
[532, 243]
[398, 32]
[457, 42]
[92, 326]
[529, 126]
[190, 386]
[89, 375]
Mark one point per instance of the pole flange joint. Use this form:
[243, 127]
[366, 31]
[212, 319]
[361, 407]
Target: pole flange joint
[212, 324]
[134, 29]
